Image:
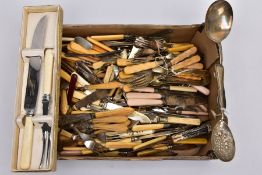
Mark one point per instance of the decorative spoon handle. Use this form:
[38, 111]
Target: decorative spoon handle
[220, 83]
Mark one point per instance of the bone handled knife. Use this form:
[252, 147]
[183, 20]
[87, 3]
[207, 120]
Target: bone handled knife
[32, 93]
[48, 72]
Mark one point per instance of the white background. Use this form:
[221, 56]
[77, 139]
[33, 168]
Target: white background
[242, 61]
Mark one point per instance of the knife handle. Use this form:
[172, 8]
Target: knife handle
[108, 37]
[63, 103]
[99, 44]
[180, 48]
[112, 119]
[121, 145]
[74, 47]
[186, 121]
[144, 102]
[182, 88]
[98, 65]
[120, 127]
[27, 143]
[144, 89]
[71, 89]
[148, 152]
[115, 112]
[135, 95]
[148, 143]
[196, 66]
[123, 62]
[148, 127]
[142, 67]
[49, 62]
[183, 55]
[202, 89]
[110, 85]
[187, 62]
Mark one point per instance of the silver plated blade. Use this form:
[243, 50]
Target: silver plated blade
[38, 40]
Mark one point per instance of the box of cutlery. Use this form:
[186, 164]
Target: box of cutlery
[37, 100]
[120, 92]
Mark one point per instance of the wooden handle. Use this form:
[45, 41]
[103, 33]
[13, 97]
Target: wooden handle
[79, 95]
[115, 112]
[70, 153]
[86, 152]
[194, 141]
[135, 95]
[193, 113]
[202, 89]
[110, 85]
[152, 151]
[196, 66]
[109, 72]
[63, 102]
[147, 127]
[142, 67]
[99, 44]
[148, 143]
[123, 62]
[186, 121]
[123, 127]
[66, 133]
[121, 145]
[145, 89]
[183, 55]
[122, 75]
[27, 144]
[108, 37]
[98, 64]
[74, 47]
[180, 48]
[49, 61]
[67, 77]
[187, 62]
[182, 88]
[73, 148]
[144, 102]
[112, 119]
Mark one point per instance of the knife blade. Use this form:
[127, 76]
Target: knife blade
[97, 95]
[32, 93]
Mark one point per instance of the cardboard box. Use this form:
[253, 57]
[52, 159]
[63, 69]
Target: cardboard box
[187, 33]
[31, 16]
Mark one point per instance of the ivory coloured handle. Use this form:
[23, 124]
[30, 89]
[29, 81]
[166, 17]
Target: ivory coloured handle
[27, 144]
[187, 62]
[115, 112]
[147, 127]
[108, 37]
[48, 72]
[183, 55]
[186, 121]
[142, 67]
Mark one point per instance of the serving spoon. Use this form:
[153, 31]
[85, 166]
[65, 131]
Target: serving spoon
[218, 24]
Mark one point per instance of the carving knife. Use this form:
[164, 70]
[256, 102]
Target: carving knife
[32, 93]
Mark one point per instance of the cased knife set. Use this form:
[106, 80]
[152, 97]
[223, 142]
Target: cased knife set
[126, 92]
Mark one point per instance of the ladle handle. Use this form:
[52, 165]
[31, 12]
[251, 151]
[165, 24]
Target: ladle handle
[220, 83]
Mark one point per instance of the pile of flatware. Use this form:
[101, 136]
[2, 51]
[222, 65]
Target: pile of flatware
[125, 95]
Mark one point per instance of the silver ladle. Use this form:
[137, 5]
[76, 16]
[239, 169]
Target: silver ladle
[218, 23]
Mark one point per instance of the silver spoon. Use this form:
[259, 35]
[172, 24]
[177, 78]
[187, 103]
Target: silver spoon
[218, 23]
